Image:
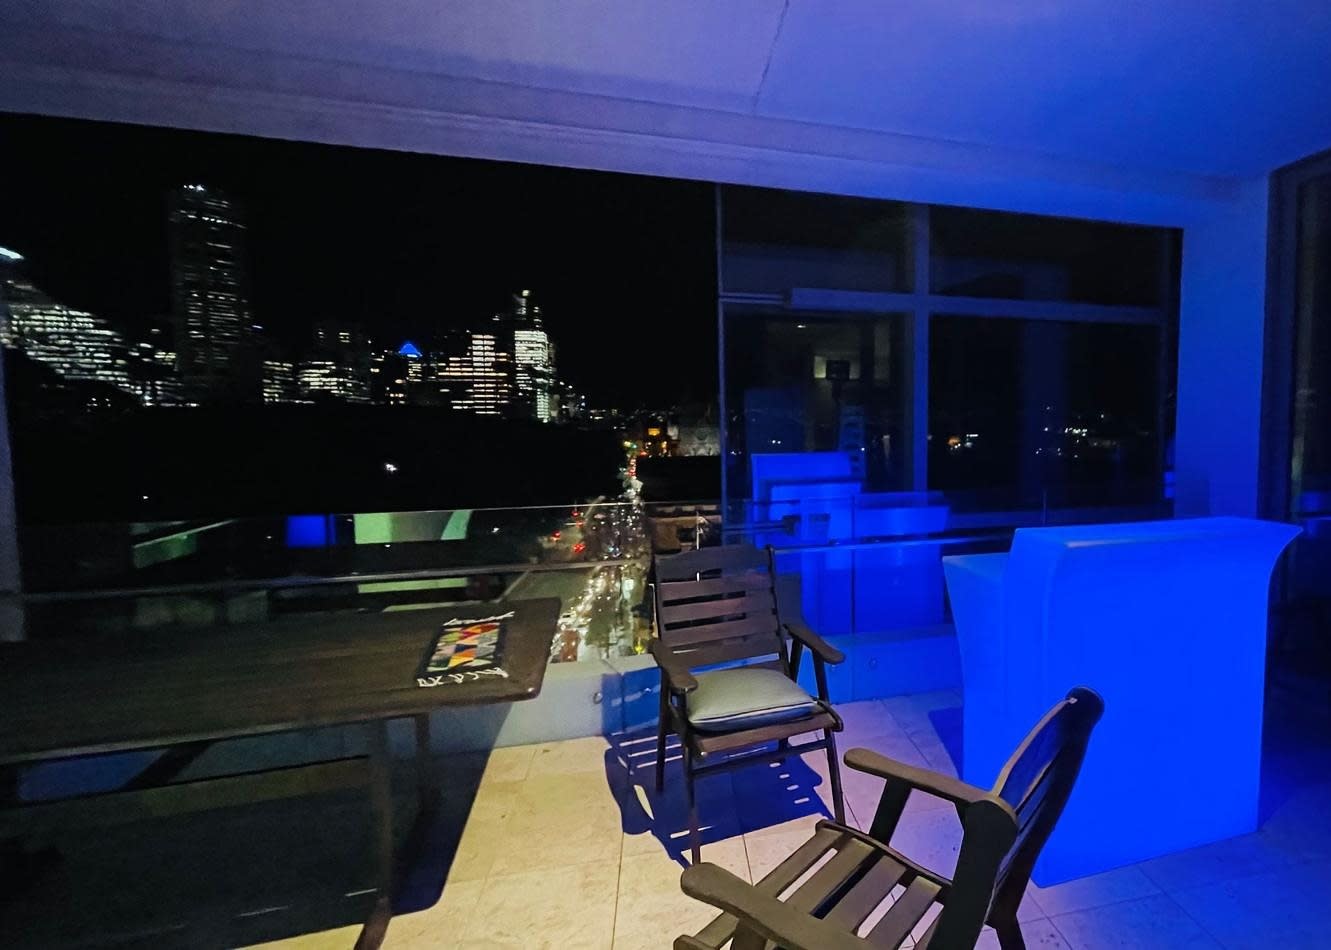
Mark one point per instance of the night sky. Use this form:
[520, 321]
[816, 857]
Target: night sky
[402, 244]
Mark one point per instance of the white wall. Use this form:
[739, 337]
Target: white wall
[1221, 321]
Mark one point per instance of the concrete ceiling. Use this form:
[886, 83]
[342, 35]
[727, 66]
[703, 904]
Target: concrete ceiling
[1203, 87]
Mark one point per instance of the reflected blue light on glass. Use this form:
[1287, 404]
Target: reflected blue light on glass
[309, 531]
[9, 255]
[1167, 620]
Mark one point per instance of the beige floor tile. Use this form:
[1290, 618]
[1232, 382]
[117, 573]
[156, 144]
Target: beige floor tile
[1030, 908]
[475, 853]
[489, 802]
[546, 821]
[1285, 908]
[779, 796]
[767, 850]
[652, 910]
[865, 721]
[440, 926]
[1243, 856]
[651, 822]
[931, 837]
[568, 908]
[340, 938]
[543, 840]
[1151, 923]
[1038, 933]
[567, 790]
[509, 763]
[570, 755]
[1097, 890]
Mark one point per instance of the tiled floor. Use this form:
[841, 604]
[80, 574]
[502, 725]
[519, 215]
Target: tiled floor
[566, 845]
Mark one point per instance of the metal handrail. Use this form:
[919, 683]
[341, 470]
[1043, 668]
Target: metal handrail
[299, 581]
[293, 582]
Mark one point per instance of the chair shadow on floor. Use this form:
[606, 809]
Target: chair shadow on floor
[744, 800]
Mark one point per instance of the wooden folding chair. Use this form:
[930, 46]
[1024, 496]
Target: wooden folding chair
[1003, 832]
[718, 606]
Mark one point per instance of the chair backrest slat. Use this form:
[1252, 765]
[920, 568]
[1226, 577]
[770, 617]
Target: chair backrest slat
[1006, 829]
[729, 558]
[724, 596]
[1038, 779]
[747, 627]
[727, 651]
[672, 591]
[758, 604]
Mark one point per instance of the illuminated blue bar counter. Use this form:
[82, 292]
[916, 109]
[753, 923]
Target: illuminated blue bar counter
[1167, 620]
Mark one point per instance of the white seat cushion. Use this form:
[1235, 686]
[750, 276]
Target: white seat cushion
[745, 698]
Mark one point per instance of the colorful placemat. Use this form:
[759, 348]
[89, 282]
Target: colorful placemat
[465, 650]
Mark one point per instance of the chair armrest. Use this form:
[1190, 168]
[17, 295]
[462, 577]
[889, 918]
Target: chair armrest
[677, 674]
[817, 644]
[775, 921]
[932, 783]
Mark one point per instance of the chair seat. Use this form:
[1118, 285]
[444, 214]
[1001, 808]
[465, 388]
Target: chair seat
[746, 698]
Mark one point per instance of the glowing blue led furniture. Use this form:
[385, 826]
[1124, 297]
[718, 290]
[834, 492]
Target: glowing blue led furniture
[1167, 621]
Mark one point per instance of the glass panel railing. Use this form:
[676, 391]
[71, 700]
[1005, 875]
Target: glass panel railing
[153, 554]
[867, 563]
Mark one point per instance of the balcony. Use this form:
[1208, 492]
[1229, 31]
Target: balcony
[944, 281]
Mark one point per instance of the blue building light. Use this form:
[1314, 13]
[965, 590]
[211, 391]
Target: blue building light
[409, 349]
[309, 531]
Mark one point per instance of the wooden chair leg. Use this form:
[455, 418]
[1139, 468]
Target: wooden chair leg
[1009, 936]
[660, 756]
[695, 835]
[661, 735]
[834, 775]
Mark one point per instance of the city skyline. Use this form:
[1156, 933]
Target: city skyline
[402, 246]
[212, 353]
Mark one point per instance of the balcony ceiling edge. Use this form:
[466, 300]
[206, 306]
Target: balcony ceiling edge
[244, 92]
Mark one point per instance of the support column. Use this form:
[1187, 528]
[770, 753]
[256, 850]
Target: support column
[1221, 335]
[11, 609]
[917, 353]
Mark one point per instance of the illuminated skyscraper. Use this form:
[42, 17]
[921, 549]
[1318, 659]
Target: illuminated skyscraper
[210, 295]
[328, 379]
[475, 373]
[533, 357]
[279, 382]
[77, 345]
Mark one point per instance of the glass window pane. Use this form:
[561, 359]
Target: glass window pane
[1031, 257]
[814, 399]
[773, 241]
[1311, 450]
[1026, 413]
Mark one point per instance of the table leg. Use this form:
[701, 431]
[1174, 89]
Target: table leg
[381, 808]
[426, 788]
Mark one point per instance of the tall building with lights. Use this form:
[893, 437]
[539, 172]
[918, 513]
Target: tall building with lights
[79, 346]
[533, 357]
[395, 373]
[323, 379]
[339, 366]
[279, 382]
[210, 301]
[474, 373]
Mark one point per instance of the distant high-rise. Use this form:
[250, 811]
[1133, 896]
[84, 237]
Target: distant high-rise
[324, 379]
[339, 365]
[474, 373]
[210, 296]
[77, 345]
[279, 382]
[533, 357]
